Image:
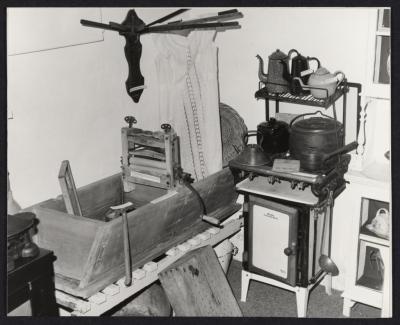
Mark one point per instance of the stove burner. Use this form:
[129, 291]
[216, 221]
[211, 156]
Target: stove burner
[321, 183]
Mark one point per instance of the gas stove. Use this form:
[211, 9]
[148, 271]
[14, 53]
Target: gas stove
[320, 183]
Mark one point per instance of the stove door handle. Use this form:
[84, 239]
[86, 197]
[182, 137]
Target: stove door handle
[290, 250]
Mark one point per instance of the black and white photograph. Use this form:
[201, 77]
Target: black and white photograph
[221, 161]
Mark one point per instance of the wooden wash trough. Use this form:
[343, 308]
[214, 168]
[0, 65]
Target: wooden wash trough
[89, 249]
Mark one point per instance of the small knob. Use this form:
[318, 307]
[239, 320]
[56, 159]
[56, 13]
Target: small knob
[130, 120]
[293, 185]
[30, 249]
[252, 176]
[302, 186]
[288, 251]
[166, 127]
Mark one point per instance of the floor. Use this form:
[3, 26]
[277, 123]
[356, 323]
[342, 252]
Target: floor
[267, 301]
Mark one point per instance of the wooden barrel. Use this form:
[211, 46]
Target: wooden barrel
[233, 130]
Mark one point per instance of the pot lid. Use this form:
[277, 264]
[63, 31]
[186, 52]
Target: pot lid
[19, 223]
[278, 55]
[317, 124]
[253, 155]
[273, 124]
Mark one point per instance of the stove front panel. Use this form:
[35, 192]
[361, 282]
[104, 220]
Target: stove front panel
[272, 250]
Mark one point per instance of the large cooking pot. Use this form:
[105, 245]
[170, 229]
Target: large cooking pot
[274, 135]
[317, 142]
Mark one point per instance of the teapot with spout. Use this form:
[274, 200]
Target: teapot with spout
[299, 68]
[274, 80]
[322, 83]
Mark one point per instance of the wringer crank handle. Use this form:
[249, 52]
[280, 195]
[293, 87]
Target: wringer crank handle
[121, 210]
[130, 120]
[166, 127]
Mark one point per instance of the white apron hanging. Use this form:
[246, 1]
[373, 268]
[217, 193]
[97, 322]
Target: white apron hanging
[188, 98]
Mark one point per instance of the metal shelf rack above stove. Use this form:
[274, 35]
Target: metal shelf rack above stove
[309, 100]
[262, 93]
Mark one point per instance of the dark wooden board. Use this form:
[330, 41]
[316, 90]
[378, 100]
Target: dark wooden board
[196, 286]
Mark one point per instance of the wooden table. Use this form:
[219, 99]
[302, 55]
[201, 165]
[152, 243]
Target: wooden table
[30, 286]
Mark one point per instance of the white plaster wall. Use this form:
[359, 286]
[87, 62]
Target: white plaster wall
[336, 36]
[69, 103]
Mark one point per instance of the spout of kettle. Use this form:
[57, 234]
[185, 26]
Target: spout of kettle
[261, 75]
[301, 82]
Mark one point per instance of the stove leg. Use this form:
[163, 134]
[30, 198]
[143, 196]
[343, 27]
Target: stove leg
[301, 301]
[245, 285]
[347, 304]
[328, 284]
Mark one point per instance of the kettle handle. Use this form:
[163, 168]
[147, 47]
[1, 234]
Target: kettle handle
[253, 133]
[335, 78]
[315, 59]
[306, 114]
[382, 210]
[347, 148]
[336, 73]
[288, 58]
[291, 52]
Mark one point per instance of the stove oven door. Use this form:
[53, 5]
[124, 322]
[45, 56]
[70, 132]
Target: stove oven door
[271, 240]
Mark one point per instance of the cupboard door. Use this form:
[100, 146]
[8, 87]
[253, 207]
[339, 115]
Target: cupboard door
[273, 247]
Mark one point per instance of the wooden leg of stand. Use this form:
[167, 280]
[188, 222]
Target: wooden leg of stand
[347, 304]
[301, 301]
[328, 284]
[245, 285]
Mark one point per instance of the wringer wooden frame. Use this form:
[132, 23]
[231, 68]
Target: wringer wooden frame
[149, 158]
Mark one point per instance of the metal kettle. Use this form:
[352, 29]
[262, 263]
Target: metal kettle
[274, 80]
[253, 154]
[298, 68]
[275, 136]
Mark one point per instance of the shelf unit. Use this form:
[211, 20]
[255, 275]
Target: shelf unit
[367, 277]
[369, 236]
[309, 100]
[342, 89]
